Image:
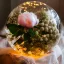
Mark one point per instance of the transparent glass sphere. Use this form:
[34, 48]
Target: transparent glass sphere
[33, 28]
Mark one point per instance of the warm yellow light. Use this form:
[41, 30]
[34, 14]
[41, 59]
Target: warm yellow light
[28, 3]
[40, 3]
[20, 52]
[24, 3]
[44, 8]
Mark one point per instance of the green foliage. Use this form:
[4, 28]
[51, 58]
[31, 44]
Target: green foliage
[31, 32]
[16, 30]
[26, 36]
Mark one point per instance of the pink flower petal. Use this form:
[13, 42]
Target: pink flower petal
[28, 19]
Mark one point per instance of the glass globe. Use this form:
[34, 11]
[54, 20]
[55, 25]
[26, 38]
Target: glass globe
[33, 28]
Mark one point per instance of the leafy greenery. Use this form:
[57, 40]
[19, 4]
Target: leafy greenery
[26, 36]
[35, 37]
[15, 29]
[31, 32]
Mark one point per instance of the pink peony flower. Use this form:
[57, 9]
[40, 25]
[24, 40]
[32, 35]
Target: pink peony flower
[28, 19]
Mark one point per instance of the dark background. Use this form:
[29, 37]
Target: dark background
[7, 5]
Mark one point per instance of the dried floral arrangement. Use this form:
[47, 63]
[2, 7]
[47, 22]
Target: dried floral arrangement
[30, 32]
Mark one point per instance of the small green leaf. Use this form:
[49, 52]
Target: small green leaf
[31, 32]
[12, 27]
[26, 36]
[16, 30]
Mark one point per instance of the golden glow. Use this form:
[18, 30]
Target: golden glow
[22, 43]
[41, 3]
[31, 3]
[24, 3]
[28, 3]
[36, 4]
[44, 8]
[36, 55]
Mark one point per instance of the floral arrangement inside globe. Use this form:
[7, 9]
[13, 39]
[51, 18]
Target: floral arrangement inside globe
[32, 29]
